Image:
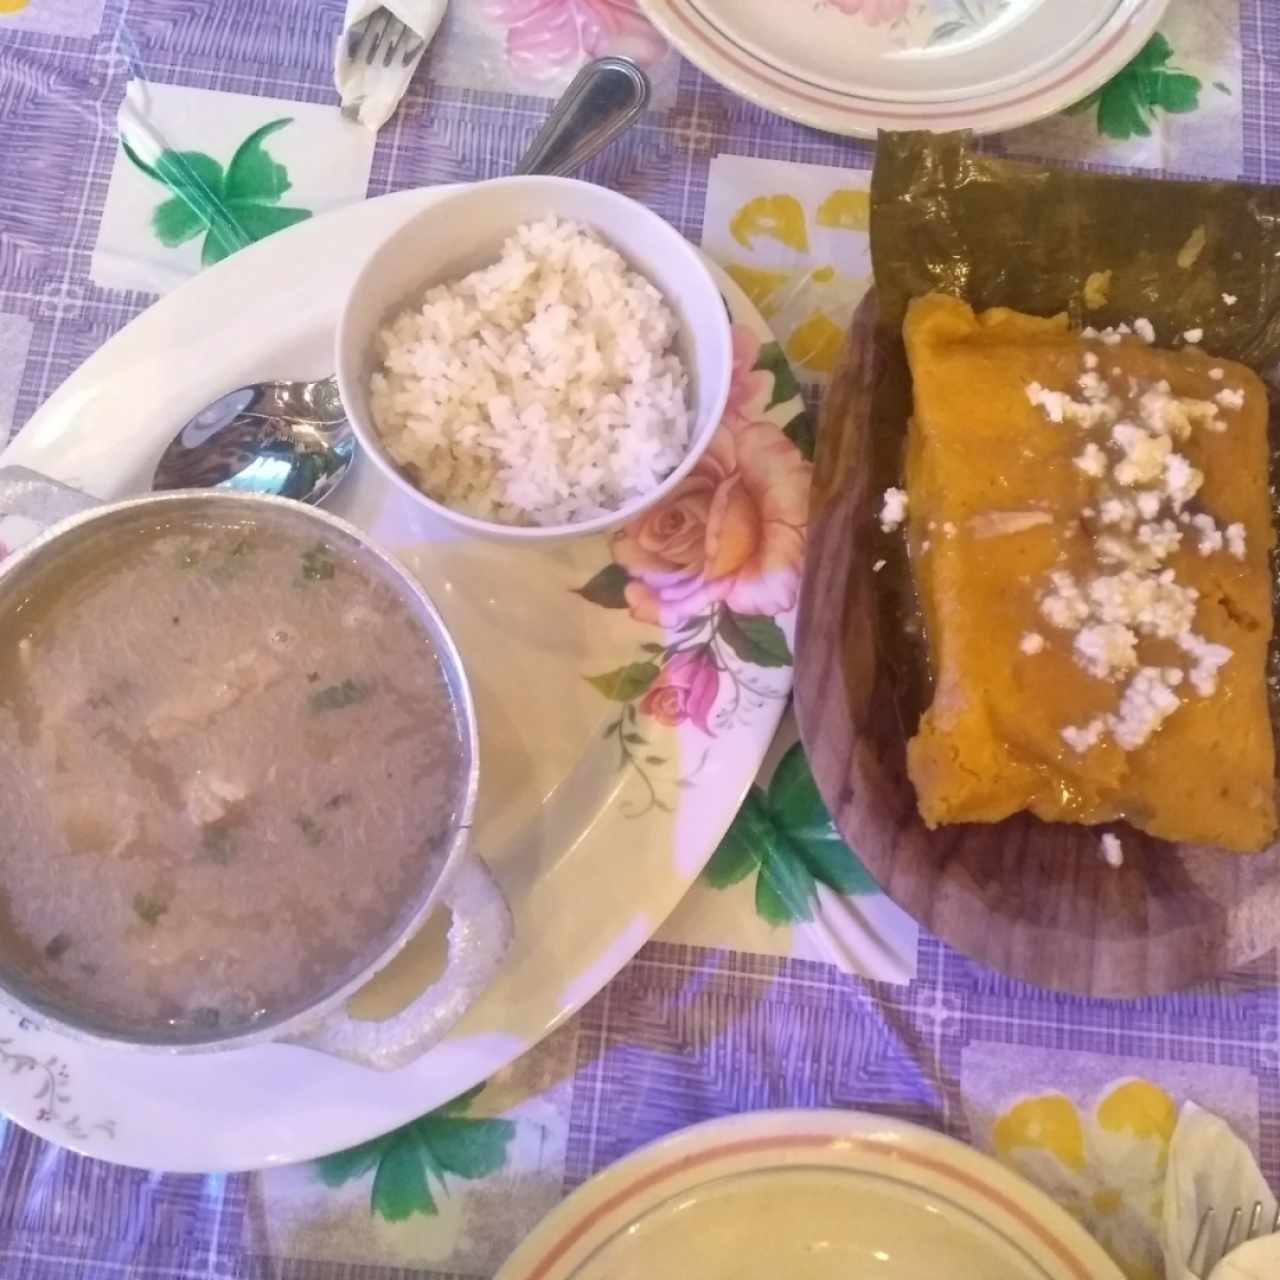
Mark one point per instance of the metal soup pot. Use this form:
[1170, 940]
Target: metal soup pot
[480, 931]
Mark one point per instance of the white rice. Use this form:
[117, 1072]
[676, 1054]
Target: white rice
[544, 389]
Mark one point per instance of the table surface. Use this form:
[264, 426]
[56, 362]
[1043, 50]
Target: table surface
[734, 1007]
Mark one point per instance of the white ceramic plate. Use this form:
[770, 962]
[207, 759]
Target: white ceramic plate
[858, 66]
[592, 856]
[808, 1195]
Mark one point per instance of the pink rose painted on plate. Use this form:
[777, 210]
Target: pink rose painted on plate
[550, 39]
[713, 566]
[685, 689]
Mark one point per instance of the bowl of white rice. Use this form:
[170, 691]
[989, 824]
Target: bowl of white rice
[535, 358]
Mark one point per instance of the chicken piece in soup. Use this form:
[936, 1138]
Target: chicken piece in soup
[232, 763]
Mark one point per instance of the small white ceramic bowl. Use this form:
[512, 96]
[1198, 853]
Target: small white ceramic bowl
[465, 230]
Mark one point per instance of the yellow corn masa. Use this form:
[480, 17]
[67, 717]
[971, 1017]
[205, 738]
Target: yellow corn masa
[996, 505]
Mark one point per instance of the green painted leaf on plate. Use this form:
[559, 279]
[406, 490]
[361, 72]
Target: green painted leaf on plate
[625, 683]
[758, 640]
[608, 588]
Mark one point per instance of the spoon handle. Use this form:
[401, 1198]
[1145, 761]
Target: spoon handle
[601, 101]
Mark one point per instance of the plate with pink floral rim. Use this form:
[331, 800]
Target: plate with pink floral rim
[627, 689]
[859, 66]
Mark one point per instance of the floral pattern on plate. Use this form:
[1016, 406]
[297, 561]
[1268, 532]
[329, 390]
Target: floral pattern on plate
[714, 565]
[918, 24]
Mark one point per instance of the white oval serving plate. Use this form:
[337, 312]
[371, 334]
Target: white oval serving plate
[594, 836]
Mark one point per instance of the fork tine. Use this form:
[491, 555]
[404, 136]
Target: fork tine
[1202, 1237]
[1253, 1220]
[355, 36]
[1231, 1231]
[378, 25]
[412, 49]
[395, 33]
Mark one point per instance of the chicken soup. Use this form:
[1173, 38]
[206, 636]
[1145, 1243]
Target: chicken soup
[231, 760]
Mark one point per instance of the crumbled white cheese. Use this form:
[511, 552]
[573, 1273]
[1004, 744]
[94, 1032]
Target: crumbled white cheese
[893, 510]
[1032, 642]
[1230, 398]
[1210, 539]
[1155, 605]
[1090, 359]
[949, 528]
[1053, 403]
[1119, 512]
[1093, 385]
[879, 564]
[1081, 737]
[1112, 850]
[1235, 540]
[924, 546]
[1173, 676]
[1148, 504]
[1064, 606]
[1230, 299]
[1111, 339]
[1160, 538]
[1181, 480]
[1166, 414]
[1216, 374]
[1144, 329]
[1092, 461]
[1146, 704]
[1193, 336]
[1106, 650]
[1208, 658]
[1144, 454]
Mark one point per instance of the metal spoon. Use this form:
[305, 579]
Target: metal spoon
[293, 439]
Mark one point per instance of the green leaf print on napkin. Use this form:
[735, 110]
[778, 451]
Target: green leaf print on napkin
[1128, 102]
[444, 1141]
[232, 209]
[786, 835]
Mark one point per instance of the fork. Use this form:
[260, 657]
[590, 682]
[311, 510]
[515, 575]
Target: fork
[382, 31]
[1208, 1257]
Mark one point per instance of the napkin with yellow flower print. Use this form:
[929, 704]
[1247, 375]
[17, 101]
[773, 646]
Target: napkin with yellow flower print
[794, 236]
[1095, 1131]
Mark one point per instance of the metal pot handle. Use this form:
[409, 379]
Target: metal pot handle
[479, 937]
[33, 497]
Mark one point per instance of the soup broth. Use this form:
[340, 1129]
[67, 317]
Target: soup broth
[230, 759]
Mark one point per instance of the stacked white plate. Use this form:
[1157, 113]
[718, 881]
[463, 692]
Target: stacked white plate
[858, 66]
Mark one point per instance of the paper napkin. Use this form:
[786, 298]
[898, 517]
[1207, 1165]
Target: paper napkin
[372, 93]
[1210, 1167]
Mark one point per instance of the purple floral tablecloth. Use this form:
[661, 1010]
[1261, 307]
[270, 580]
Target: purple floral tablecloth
[747, 999]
